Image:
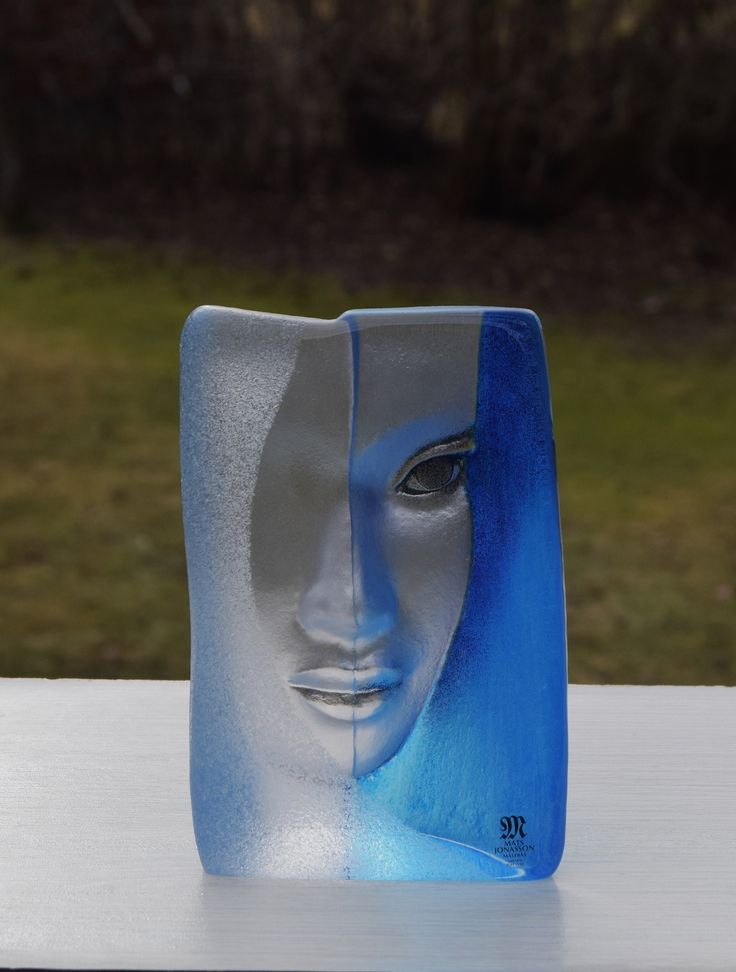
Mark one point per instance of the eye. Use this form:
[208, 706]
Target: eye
[432, 475]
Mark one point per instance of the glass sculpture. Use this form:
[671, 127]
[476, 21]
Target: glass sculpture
[377, 607]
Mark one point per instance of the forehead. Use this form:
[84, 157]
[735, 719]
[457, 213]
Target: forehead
[414, 372]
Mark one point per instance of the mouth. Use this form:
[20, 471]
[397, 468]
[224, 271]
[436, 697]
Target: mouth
[346, 694]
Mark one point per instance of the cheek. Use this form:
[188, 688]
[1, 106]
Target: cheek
[294, 502]
[428, 549]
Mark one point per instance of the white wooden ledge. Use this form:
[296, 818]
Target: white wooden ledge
[98, 867]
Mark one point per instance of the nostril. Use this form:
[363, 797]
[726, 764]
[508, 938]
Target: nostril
[327, 628]
[345, 629]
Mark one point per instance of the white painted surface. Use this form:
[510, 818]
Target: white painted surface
[98, 867]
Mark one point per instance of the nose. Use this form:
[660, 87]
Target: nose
[350, 603]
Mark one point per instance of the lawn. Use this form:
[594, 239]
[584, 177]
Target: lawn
[91, 552]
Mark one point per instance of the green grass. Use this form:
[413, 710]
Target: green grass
[91, 552]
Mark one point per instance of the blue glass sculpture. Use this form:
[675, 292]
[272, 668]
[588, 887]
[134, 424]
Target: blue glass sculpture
[376, 591]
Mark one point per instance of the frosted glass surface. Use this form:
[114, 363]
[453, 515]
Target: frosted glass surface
[378, 638]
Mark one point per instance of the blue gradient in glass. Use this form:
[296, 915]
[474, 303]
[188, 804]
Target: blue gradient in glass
[492, 740]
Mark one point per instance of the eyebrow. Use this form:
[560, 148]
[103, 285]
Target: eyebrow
[452, 445]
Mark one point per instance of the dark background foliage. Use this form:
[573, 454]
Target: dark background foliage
[512, 108]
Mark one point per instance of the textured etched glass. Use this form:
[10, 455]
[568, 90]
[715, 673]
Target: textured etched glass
[377, 607]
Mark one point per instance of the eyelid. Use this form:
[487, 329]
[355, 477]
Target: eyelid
[458, 445]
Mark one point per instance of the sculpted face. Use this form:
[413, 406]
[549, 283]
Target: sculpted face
[361, 496]
[361, 531]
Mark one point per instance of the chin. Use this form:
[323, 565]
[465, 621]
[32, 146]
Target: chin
[367, 763]
[358, 748]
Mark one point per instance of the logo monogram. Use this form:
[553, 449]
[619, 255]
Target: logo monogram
[512, 827]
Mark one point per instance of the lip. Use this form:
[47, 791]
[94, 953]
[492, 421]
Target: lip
[346, 694]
